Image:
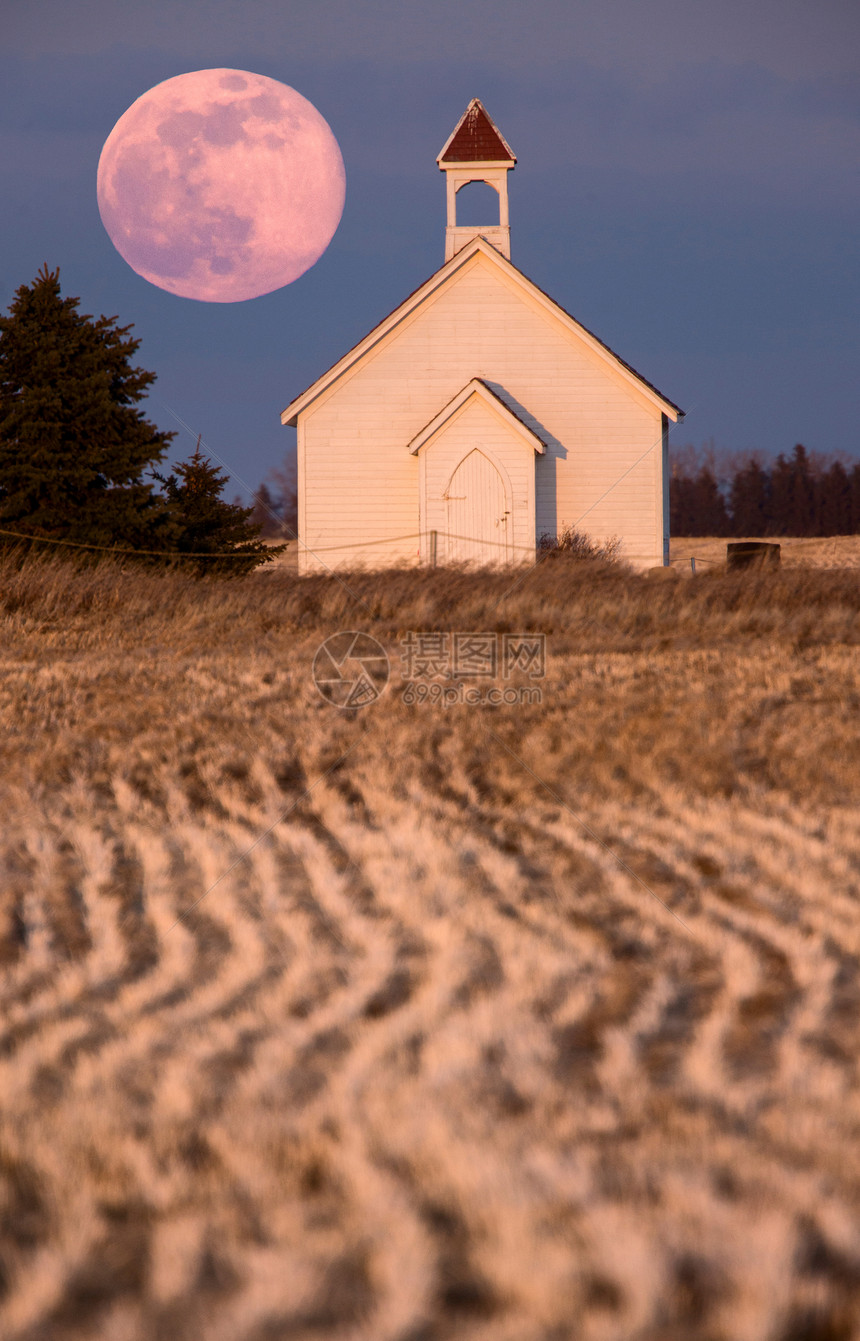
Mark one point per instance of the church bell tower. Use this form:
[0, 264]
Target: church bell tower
[476, 151]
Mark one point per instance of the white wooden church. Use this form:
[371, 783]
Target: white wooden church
[479, 415]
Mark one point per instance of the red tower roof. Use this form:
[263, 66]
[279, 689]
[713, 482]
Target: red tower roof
[475, 139]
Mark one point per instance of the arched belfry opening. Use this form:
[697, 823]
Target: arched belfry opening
[478, 206]
[476, 151]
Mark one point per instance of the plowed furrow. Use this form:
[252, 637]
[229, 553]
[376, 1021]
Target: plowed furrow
[385, 1054]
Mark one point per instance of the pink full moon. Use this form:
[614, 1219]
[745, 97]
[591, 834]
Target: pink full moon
[221, 185]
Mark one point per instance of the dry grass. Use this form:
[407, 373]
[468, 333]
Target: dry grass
[839, 551]
[517, 1024]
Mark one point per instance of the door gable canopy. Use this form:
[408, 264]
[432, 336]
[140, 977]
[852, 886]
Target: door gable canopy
[479, 389]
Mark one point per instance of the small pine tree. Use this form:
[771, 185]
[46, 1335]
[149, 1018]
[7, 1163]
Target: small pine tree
[750, 500]
[204, 523]
[708, 505]
[682, 520]
[793, 492]
[833, 501]
[854, 480]
[73, 445]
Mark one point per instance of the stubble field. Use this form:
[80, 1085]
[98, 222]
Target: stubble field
[511, 1023]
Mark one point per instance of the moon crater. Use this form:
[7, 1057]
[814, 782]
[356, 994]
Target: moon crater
[221, 185]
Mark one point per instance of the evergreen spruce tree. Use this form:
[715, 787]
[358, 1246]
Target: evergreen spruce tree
[750, 500]
[73, 445]
[204, 523]
[833, 501]
[804, 492]
[854, 480]
[793, 493]
[682, 520]
[781, 497]
[708, 506]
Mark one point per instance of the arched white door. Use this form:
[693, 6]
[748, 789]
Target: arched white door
[478, 513]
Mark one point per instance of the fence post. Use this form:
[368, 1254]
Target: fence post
[432, 549]
[692, 563]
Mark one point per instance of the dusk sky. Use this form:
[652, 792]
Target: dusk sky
[687, 187]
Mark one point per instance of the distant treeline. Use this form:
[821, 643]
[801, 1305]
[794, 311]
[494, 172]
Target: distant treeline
[804, 494]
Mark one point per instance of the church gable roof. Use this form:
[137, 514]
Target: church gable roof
[481, 390]
[476, 139]
[432, 286]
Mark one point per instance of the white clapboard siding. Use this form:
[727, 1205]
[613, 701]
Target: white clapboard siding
[602, 468]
